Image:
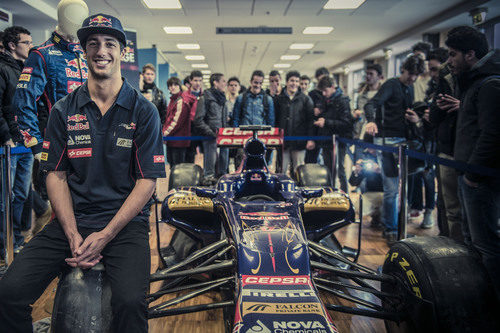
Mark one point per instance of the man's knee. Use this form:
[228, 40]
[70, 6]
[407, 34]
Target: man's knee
[129, 302]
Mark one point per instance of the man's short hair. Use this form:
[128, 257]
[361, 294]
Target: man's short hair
[305, 77]
[12, 34]
[174, 81]
[414, 65]
[233, 78]
[291, 74]
[423, 47]
[148, 66]
[374, 67]
[440, 54]
[215, 77]
[326, 82]
[466, 38]
[258, 73]
[187, 80]
[195, 74]
[321, 71]
[274, 73]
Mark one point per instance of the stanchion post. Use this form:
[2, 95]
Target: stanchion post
[403, 191]
[8, 229]
[334, 159]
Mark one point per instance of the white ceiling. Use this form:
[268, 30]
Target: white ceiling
[354, 30]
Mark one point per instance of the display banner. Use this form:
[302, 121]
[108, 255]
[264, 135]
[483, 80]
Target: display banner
[130, 64]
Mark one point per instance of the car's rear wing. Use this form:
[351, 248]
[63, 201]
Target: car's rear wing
[237, 136]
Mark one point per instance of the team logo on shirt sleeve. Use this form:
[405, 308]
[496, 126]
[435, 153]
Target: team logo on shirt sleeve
[25, 77]
[45, 156]
[158, 159]
[46, 144]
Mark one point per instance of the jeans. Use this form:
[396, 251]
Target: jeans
[449, 187]
[416, 181]
[126, 259]
[176, 155]
[481, 228]
[21, 166]
[327, 158]
[293, 158]
[210, 159]
[391, 190]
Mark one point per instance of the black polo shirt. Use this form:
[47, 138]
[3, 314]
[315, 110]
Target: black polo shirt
[103, 155]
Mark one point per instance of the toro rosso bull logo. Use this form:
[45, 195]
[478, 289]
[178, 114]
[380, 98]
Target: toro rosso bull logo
[100, 21]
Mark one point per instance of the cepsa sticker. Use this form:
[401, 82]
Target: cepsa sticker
[281, 308]
[275, 280]
[159, 159]
[82, 152]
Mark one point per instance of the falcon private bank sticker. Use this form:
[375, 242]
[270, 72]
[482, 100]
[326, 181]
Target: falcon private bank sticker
[159, 159]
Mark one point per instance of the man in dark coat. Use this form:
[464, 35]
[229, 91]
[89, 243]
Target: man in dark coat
[294, 114]
[477, 142]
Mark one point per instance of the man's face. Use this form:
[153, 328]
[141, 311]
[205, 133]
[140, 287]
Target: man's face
[408, 78]
[22, 49]
[304, 85]
[174, 89]
[103, 56]
[2, 49]
[196, 83]
[456, 61]
[328, 91]
[233, 87]
[256, 84]
[274, 81]
[292, 85]
[149, 76]
[372, 76]
[221, 84]
[434, 69]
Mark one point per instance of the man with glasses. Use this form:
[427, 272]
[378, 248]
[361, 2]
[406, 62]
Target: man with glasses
[253, 107]
[17, 41]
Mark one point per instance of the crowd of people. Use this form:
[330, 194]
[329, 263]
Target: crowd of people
[444, 103]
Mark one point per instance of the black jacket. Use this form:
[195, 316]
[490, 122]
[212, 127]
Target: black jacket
[158, 100]
[393, 98]
[478, 124]
[338, 118]
[444, 121]
[10, 69]
[295, 117]
[211, 113]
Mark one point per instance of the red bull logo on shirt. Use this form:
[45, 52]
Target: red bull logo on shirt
[74, 67]
[100, 21]
[29, 141]
[77, 118]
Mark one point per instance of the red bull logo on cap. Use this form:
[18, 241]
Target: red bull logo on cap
[100, 21]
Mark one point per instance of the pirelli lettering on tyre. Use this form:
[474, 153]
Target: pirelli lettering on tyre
[78, 153]
[410, 275]
[275, 280]
[281, 308]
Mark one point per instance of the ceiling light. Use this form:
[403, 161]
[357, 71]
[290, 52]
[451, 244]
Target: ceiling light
[206, 76]
[301, 46]
[188, 46]
[199, 65]
[290, 57]
[343, 4]
[163, 4]
[282, 65]
[206, 71]
[178, 30]
[195, 57]
[317, 30]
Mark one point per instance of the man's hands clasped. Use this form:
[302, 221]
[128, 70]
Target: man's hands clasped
[87, 253]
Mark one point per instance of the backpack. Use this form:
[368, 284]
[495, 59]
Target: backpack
[265, 104]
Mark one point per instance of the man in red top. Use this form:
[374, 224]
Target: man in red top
[178, 122]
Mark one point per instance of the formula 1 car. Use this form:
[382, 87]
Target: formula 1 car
[265, 242]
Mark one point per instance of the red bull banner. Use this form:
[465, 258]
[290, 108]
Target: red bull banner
[130, 63]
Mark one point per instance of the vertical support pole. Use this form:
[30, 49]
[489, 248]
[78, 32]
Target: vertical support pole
[403, 191]
[334, 160]
[7, 201]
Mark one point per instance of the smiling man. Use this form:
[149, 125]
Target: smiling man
[103, 153]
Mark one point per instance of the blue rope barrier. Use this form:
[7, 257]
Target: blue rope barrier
[16, 150]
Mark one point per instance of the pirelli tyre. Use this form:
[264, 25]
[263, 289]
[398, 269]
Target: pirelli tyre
[453, 293]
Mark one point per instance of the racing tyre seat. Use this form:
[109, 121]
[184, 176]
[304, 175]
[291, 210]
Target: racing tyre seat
[312, 174]
[83, 301]
[450, 277]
